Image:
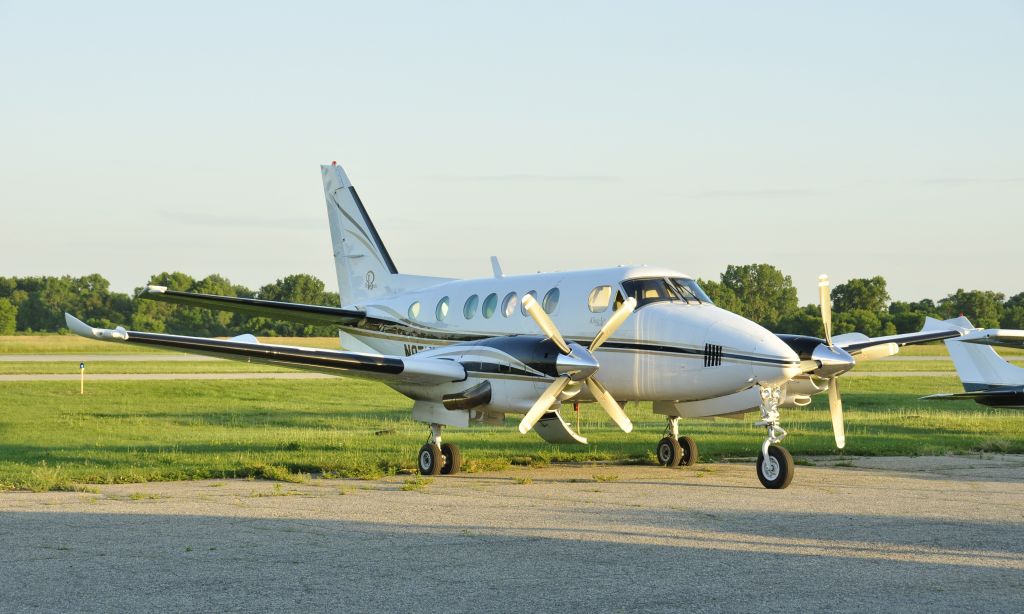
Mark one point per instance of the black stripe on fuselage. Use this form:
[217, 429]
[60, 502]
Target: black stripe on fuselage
[294, 356]
[427, 336]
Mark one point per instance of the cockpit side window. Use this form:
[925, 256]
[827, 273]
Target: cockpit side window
[653, 290]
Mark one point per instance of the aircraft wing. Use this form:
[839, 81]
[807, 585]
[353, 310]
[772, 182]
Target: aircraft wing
[988, 393]
[416, 370]
[996, 336]
[292, 312]
[933, 330]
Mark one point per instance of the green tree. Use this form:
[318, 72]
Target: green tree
[908, 317]
[156, 316]
[299, 288]
[763, 294]
[870, 323]
[861, 293]
[983, 308]
[1013, 312]
[803, 321]
[8, 317]
[721, 295]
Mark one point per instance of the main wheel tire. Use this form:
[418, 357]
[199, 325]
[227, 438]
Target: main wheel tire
[777, 470]
[452, 459]
[669, 452]
[430, 460]
[690, 454]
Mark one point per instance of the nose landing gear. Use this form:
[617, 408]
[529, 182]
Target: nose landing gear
[673, 450]
[774, 463]
[436, 458]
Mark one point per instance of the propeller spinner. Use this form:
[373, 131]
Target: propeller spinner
[576, 364]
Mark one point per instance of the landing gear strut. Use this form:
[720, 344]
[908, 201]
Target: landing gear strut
[436, 458]
[674, 450]
[774, 463]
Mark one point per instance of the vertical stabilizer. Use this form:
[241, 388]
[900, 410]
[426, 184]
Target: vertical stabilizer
[980, 367]
[365, 268]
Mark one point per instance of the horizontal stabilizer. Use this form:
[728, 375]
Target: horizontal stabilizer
[999, 337]
[291, 312]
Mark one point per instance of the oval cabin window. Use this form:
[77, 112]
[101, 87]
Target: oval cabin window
[469, 309]
[600, 298]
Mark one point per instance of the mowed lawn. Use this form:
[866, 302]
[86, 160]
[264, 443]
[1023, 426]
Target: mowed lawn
[53, 438]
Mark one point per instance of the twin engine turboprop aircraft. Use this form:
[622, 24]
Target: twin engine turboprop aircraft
[468, 351]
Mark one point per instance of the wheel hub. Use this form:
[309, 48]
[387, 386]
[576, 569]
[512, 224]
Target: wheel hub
[770, 468]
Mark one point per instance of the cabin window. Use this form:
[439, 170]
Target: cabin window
[441, 312]
[490, 304]
[532, 293]
[469, 309]
[509, 304]
[599, 299]
[414, 310]
[550, 300]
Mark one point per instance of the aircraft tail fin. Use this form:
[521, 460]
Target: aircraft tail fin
[365, 268]
[980, 367]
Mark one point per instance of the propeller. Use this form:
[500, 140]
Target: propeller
[575, 364]
[833, 362]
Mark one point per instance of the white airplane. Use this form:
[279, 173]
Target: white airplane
[467, 351]
[986, 376]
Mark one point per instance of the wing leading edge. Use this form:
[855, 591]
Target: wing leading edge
[415, 370]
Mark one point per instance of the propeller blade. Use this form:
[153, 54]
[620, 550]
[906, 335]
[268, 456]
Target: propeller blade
[543, 404]
[875, 352]
[825, 301]
[613, 324]
[610, 406]
[545, 324]
[835, 407]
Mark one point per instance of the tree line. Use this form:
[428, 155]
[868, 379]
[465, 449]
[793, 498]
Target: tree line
[37, 304]
[760, 292]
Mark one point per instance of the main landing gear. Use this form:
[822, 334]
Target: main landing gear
[673, 450]
[774, 463]
[436, 458]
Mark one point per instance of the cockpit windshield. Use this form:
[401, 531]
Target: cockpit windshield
[659, 289]
[691, 290]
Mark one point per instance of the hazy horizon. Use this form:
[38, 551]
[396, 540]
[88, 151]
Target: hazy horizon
[863, 140]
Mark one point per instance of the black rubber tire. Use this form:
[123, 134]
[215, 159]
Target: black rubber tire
[452, 459]
[784, 474]
[429, 459]
[690, 453]
[669, 452]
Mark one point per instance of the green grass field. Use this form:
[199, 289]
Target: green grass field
[53, 438]
[73, 344]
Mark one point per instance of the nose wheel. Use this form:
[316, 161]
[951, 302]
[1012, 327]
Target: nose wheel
[774, 463]
[775, 470]
[436, 458]
[675, 451]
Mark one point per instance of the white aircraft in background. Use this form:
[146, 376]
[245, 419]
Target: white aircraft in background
[468, 351]
[987, 378]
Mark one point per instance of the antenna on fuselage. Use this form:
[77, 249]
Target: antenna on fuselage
[496, 267]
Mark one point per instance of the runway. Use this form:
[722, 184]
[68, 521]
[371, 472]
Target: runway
[926, 534]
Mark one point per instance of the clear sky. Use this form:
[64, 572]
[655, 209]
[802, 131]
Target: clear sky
[855, 138]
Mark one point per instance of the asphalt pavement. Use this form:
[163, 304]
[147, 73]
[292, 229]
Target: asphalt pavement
[926, 534]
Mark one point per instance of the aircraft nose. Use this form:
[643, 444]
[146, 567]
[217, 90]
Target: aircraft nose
[772, 362]
[781, 363]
